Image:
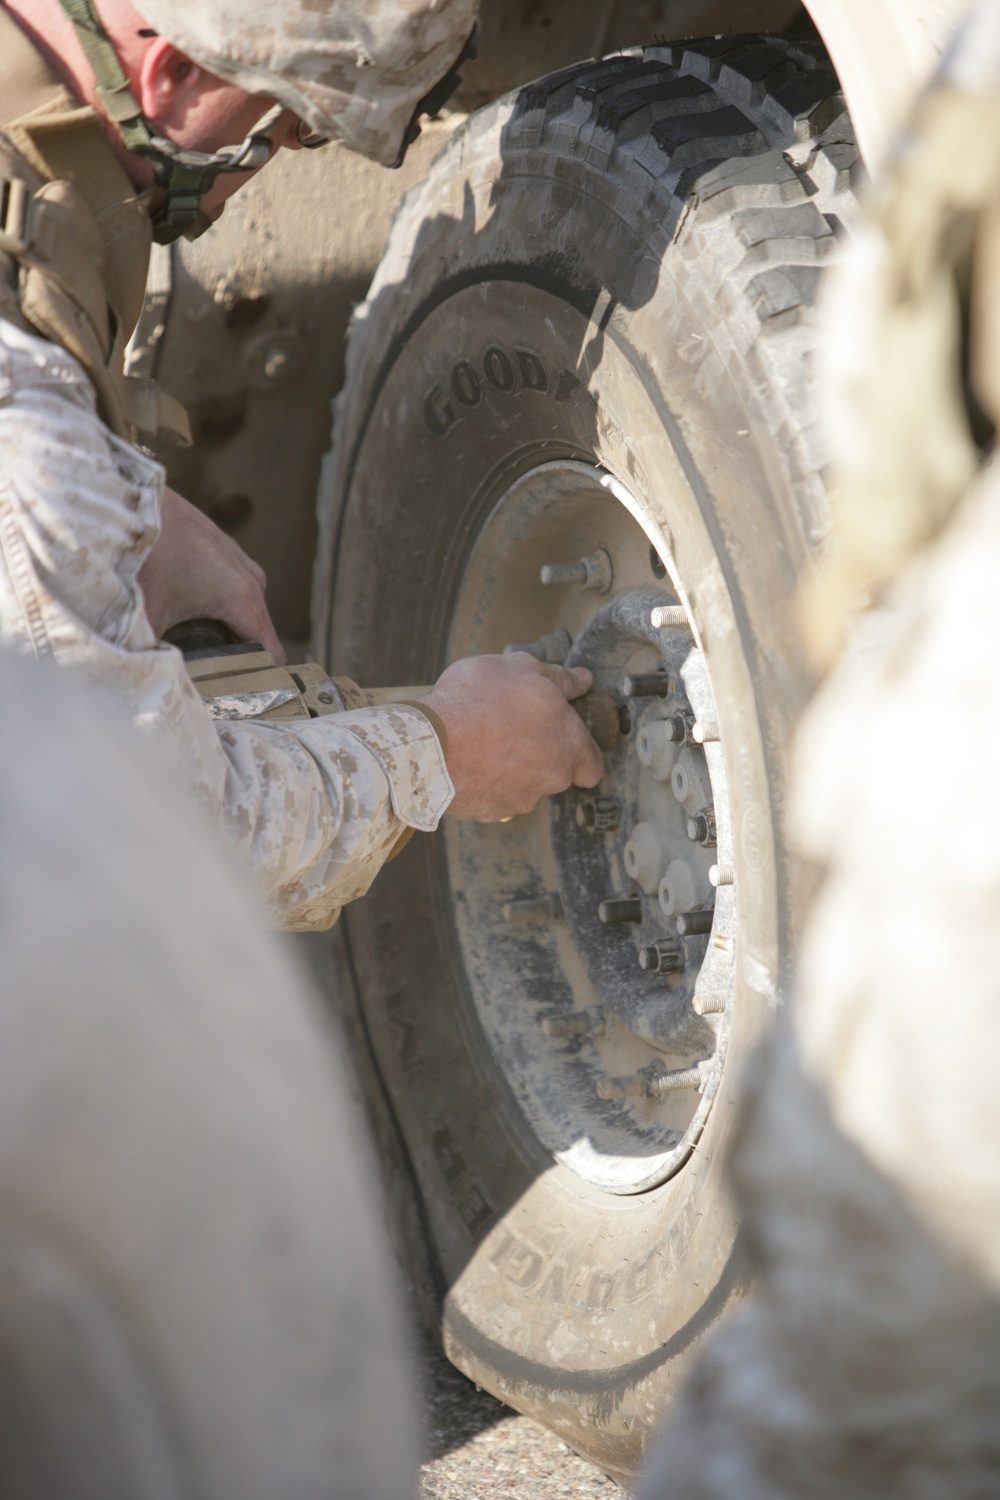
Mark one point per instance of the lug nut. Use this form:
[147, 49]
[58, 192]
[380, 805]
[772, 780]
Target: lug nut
[553, 648]
[688, 783]
[708, 1004]
[722, 875]
[645, 856]
[691, 923]
[704, 734]
[593, 572]
[661, 958]
[667, 616]
[620, 909]
[654, 1081]
[646, 685]
[530, 908]
[679, 727]
[592, 1022]
[701, 828]
[679, 889]
[598, 814]
[656, 748]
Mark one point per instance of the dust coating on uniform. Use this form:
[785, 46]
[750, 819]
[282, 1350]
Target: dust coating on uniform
[312, 809]
[355, 70]
[912, 378]
[868, 1166]
[901, 1025]
[868, 1365]
[480, 1449]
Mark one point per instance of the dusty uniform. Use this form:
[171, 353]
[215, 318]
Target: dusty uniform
[868, 1164]
[313, 811]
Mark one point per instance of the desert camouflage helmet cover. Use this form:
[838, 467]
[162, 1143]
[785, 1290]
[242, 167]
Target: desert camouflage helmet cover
[354, 70]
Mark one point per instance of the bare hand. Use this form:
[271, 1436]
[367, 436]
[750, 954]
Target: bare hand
[195, 570]
[512, 736]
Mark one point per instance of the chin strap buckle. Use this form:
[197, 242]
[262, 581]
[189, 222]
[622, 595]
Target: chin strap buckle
[433, 102]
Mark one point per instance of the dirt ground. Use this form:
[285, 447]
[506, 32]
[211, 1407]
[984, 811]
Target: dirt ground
[480, 1449]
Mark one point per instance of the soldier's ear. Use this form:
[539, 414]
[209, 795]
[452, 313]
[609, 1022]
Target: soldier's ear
[169, 83]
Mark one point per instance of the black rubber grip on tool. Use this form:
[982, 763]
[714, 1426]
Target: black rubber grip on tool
[203, 637]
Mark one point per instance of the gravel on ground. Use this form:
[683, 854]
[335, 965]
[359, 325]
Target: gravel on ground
[481, 1450]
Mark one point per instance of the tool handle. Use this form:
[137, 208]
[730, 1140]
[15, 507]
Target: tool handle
[204, 638]
[598, 710]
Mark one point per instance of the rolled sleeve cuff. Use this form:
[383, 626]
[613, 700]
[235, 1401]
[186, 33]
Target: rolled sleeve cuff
[406, 745]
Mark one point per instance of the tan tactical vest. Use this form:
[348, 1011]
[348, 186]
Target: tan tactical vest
[74, 235]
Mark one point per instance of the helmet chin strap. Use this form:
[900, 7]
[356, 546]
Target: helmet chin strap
[185, 176]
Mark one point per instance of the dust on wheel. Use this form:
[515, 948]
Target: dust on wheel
[585, 360]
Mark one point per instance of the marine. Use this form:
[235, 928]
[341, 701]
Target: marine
[118, 127]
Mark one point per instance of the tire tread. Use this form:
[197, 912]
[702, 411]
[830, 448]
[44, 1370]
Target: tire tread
[738, 150]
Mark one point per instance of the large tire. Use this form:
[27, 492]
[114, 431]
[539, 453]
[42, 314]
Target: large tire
[602, 294]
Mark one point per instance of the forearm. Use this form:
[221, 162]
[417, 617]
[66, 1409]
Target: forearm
[314, 811]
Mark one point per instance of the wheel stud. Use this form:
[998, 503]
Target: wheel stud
[690, 923]
[598, 814]
[531, 908]
[669, 616]
[593, 572]
[552, 648]
[661, 958]
[722, 875]
[705, 734]
[646, 685]
[620, 909]
[701, 828]
[591, 1022]
[708, 1004]
[653, 1082]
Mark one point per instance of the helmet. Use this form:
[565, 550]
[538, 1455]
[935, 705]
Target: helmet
[355, 70]
[358, 71]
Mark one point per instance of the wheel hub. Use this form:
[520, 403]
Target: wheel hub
[597, 932]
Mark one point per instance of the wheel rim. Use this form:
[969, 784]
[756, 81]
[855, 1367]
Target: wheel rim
[609, 1025]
